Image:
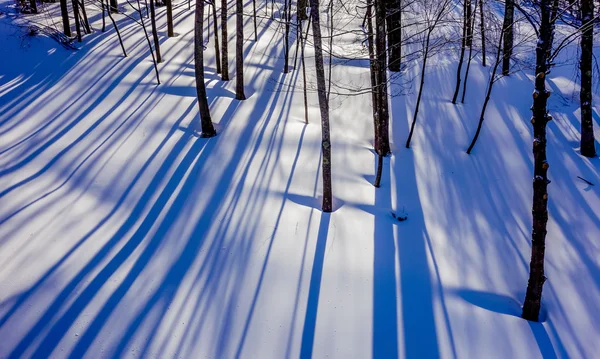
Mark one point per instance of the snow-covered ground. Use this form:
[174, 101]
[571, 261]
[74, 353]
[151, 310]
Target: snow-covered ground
[123, 235]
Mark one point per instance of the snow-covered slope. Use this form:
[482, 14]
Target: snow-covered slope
[124, 235]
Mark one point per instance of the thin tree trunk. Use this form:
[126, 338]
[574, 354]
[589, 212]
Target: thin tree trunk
[224, 54]
[169, 4]
[254, 16]
[394, 33]
[468, 15]
[373, 72]
[462, 100]
[330, 48]
[383, 140]
[154, 32]
[216, 34]
[117, 30]
[139, 10]
[301, 9]
[239, 50]
[64, 14]
[377, 182]
[303, 43]
[425, 56]
[286, 36]
[208, 130]
[507, 29]
[75, 5]
[103, 16]
[488, 94]
[86, 23]
[462, 52]
[533, 297]
[323, 106]
[482, 28]
[588, 148]
[33, 6]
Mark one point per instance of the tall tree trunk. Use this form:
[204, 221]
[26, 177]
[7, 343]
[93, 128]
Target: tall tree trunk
[383, 140]
[169, 4]
[507, 29]
[224, 38]
[301, 9]
[323, 106]
[462, 100]
[303, 43]
[286, 37]
[425, 56]
[33, 6]
[488, 94]
[75, 5]
[239, 50]
[64, 14]
[533, 297]
[207, 128]
[462, 52]
[330, 13]
[86, 23]
[588, 148]
[394, 29]
[373, 72]
[254, 18]
[139, 10]
[482, 28]
[154, 32]
[103, 16]
[216, 34]
[468, 15]
[117, 30]
[114, 6]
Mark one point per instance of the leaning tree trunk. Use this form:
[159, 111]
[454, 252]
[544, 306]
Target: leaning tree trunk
[239, 50]
[64, 14]
[425, 56]
[482, 28]
[208, 129]
[382, 136]
[224, 54]
[507, 29]
[323, 106]
[169, 4]
[462, 100]
[585, 66]
[533, 297]
[394, 17]
[154, 32]
[112, 19]
[462, 51]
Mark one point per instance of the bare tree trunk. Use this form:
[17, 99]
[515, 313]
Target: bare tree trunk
[208, 129]
[383, 140]
[254, 15]
[330, 12]
[425, 56]
[462, 100]
[169, 4]
[482, 28]
[373, 72]
[216, 33]
[33, 6]
[117, 30]
[377, 182]
[224, 54]
[75, 5]
[488, 94]
[154, 32]
[114, 6]
[323, 106]
[301, 9]
[239, 50]
[286, 36]
[588, 148]
[394, 33]
[507, 29]
[303, 43]
[462, 52]
[64, 14]
[533, 297]
[468, 15]
[103, 16]
[86, 23]
[139, 10]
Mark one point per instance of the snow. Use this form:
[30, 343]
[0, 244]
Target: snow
[124, 235]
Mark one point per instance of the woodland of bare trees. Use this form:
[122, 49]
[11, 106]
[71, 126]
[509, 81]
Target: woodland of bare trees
[394, 33]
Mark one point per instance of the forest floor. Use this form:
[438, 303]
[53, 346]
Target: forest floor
[122, 234]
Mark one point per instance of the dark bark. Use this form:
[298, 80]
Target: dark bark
[64, 14]
[286, 37]
[154, 32]
[507, 29]
[482, 29]
[588, 148]
[33, 6]
[103, 16]
[462, 52]
[139, 10]
[462, 100]
[468, 16]
[216, 34]
[533, 297]
[377, 182]
[169, 4]
[114, 6]
[394, 33]
[301, 9]
[425, 56]
[324, 108]
[382, 135]
[224, 52]
[208, 130]
[75, 5]
[373, 72]
[239, 50]
[488, 94]
[330, 48]
[303, 43]
[117, 30]
[254, 17]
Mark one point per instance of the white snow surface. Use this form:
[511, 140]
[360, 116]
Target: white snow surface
[124, 235]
